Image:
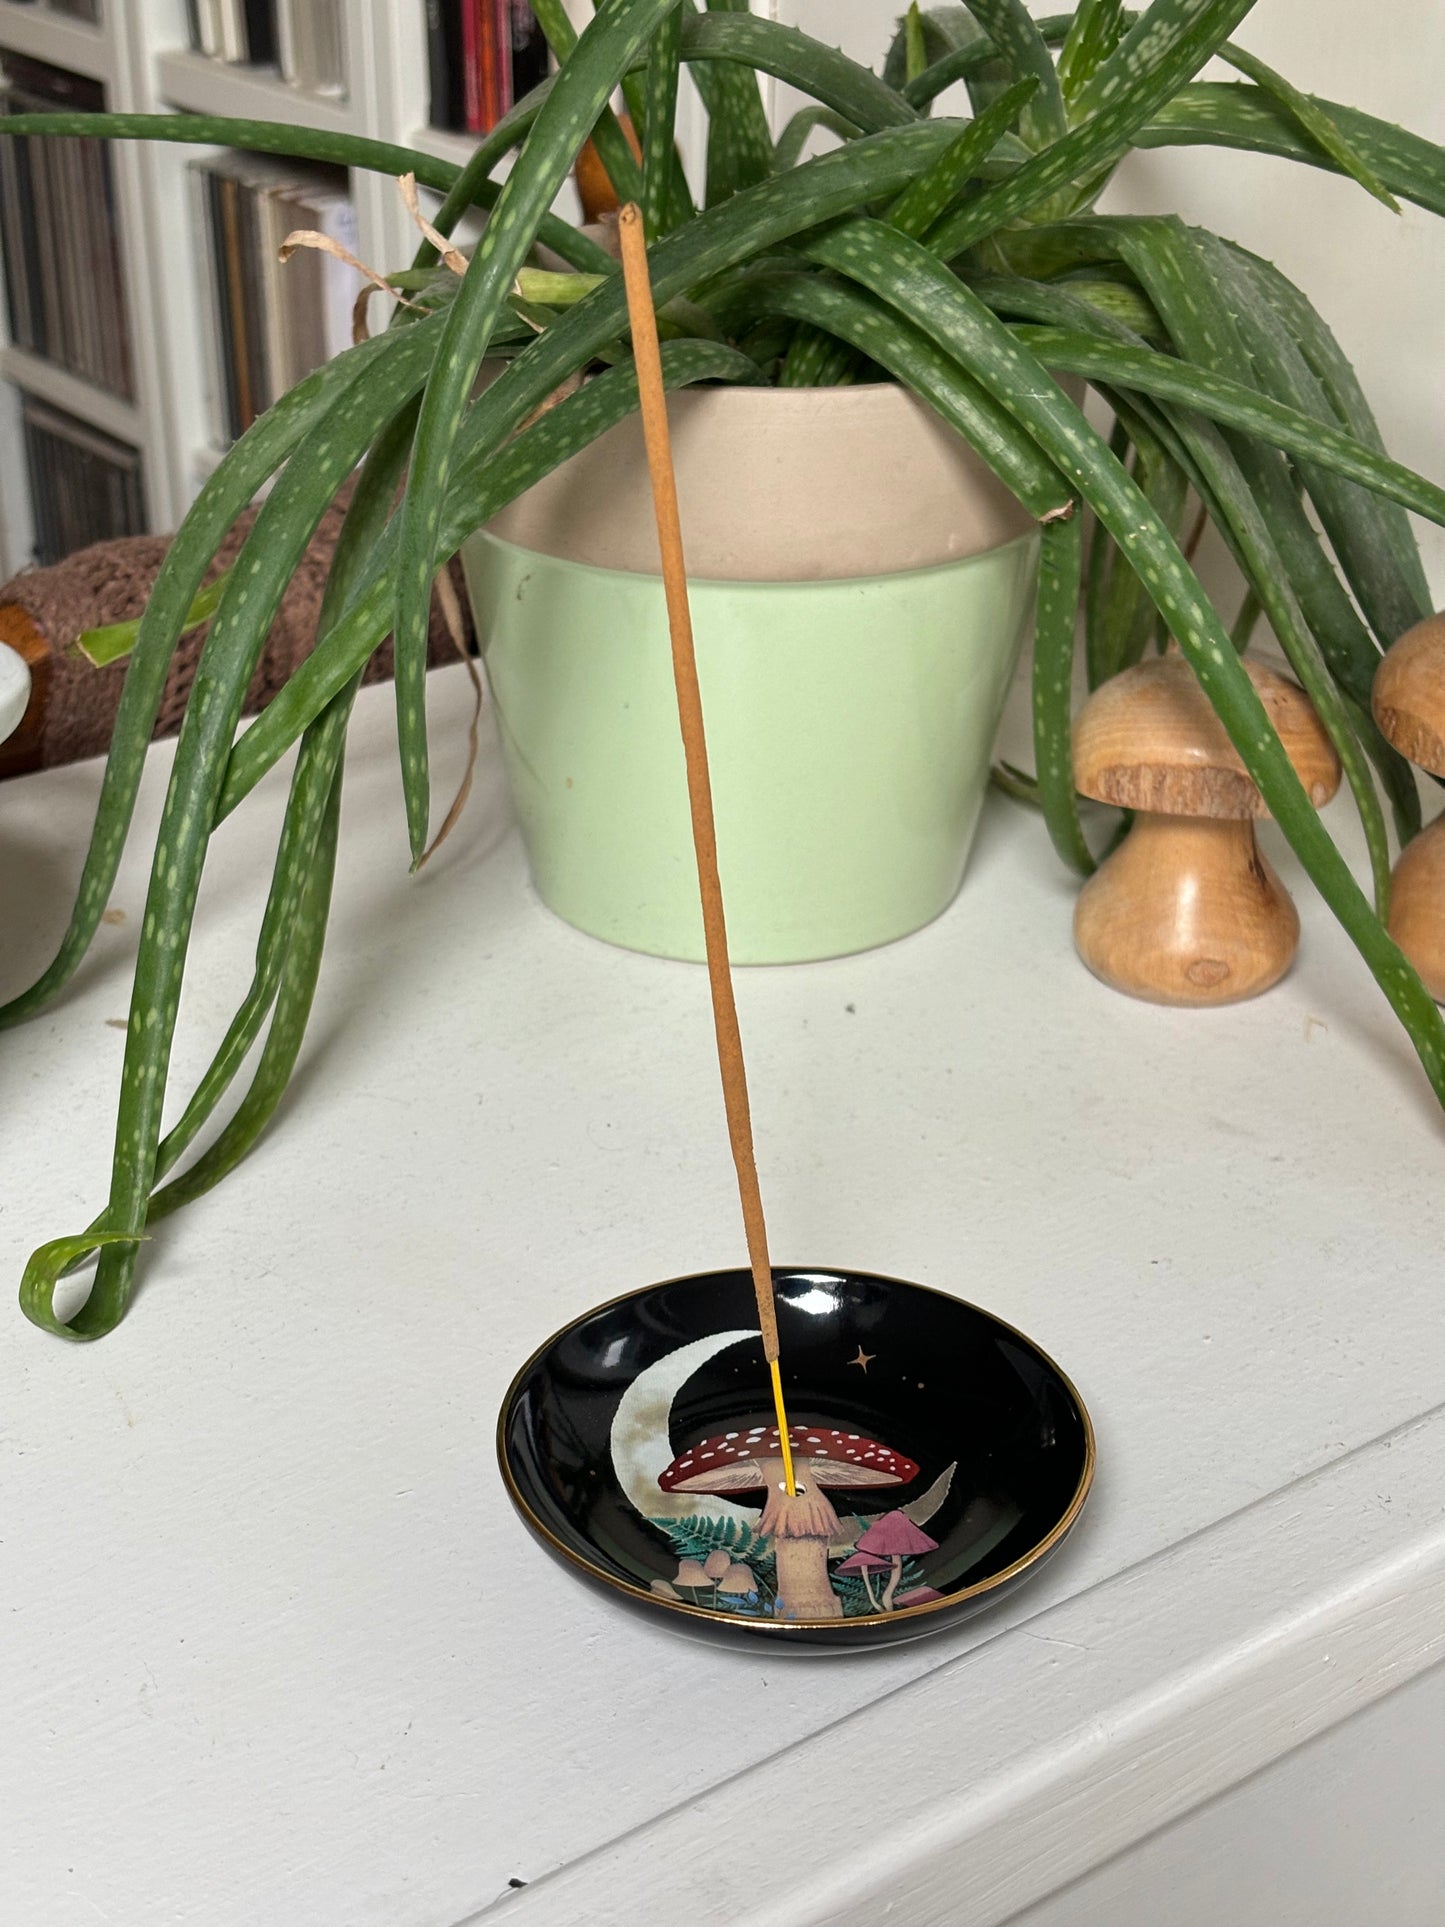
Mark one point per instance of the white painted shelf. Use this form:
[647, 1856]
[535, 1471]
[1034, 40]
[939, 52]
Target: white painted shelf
[442, 144]
[58, 385]
[196, 85]
[276, 1648]
[55, 37]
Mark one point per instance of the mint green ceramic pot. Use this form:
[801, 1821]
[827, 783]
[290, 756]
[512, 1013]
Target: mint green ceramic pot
[850, 705]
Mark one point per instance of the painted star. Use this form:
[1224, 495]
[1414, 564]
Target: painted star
[863, 1360]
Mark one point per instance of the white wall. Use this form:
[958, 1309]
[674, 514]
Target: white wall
[1378, 279]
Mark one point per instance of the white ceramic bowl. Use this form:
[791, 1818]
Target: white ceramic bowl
[14, 689]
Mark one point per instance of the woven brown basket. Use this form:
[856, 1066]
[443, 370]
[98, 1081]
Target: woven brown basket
[72, 703]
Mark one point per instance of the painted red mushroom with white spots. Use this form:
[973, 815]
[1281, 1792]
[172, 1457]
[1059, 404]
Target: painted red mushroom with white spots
[801, 1524]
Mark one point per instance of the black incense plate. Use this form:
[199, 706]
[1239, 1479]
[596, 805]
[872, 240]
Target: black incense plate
[940, 1457]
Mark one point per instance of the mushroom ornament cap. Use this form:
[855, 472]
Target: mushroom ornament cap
[1408, 697]
[735, 1461]
[1148, 739]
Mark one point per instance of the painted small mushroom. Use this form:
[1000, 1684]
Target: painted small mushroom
[716, 1564]
[865, 1563]
[739, 1582]
[916, 1596]
[895, 1538]
[691, 1574]
[801, 1525]
[1409, 704]
[1187, 910]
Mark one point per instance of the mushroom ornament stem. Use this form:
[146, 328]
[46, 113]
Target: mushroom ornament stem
[1409, 704]
[1187, 911]
[1417, 906]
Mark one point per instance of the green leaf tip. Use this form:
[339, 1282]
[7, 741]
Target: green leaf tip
[49, 1263]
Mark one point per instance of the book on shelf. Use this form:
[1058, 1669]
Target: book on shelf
[272, 321]
[242, 32]
[85, 486]
[312, 49]
[482, 56]
[203, 17]
[58, 233]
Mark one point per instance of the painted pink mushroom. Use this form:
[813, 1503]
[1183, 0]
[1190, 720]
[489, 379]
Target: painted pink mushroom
[895, 1537]
[865, 1563]
[802, 1525]
[917, 1596]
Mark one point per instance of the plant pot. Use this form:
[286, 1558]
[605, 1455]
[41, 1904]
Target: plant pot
[860, 586]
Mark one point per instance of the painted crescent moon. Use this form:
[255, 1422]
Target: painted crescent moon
[641, 1444]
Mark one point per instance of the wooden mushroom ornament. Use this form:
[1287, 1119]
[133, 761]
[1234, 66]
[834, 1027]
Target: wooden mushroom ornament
[1187, 910]
[1409, 705]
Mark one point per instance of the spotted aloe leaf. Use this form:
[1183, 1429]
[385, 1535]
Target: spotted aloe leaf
[910, 279]
[605, 51]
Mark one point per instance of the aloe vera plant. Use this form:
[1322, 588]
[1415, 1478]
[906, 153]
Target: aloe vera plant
[964, 258]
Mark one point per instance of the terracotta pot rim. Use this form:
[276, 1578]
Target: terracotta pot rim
[859, 392]
[778, 485]
[797, 585]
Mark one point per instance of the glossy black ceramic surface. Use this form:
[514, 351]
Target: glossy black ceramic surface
[593, 1416]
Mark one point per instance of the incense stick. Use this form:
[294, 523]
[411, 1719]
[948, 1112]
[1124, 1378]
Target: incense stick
[653, 398]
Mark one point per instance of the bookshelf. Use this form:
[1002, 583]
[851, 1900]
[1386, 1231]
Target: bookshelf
[139, 51]
[57, 38]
